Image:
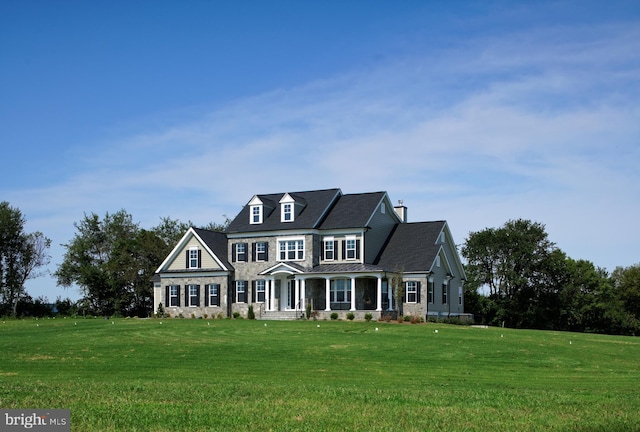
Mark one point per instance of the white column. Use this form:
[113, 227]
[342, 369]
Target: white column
[303, 293]
[379, 295]
[297, 293]
[353, 294]
[328, 294]
[272, 302]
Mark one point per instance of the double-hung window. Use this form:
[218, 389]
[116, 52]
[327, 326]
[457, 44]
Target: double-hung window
[291, 250]
[174, 299]
[444, 293]
[213, 293]
[241, 291]
[430, 292]
[412, 291]
[241, 252]
[340, 291]
[194, 295]
[261, 251]
[260, 291]
[351, 248]
[194, 260]
[287, 212]
[460, 295]
[329, 249]
[256, 214]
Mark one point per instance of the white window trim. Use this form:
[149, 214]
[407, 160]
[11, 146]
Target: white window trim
[174, 296]
[290, 239]
[346, 289]
[414, 290]
[191, 303]
[210, 288]
[191, 250]
[287, 200]
[347, 249]
[244, 254]
[244, 285]
[260, 213]
[325, 242]
[285, 212]
[263, 252]
[261, 286]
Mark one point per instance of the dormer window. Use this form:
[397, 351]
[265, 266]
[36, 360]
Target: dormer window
[256, 210]
[287, 213]
[287, 208]
[256, 214]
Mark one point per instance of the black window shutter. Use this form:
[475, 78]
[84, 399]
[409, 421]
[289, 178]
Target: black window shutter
[418, 292]
[166, 296]
[253, 251]
[178, 296]
[206, 295]
[199, 258]
[335, 249]
[186, 295]
[266, 251]
[233, 291]
[218, 296]
[198, 297]
[186, 260]
[344, 249]
[246, 252]
[357, 249]
[233, 252]
[253, 291]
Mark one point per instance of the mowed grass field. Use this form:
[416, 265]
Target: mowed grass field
[199, 375]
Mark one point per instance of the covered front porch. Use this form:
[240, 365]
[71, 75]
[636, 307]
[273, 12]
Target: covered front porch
[290, 288]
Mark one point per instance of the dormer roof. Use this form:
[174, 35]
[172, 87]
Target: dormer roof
[311, 208]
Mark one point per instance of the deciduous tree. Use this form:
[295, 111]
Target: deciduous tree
[21, 255]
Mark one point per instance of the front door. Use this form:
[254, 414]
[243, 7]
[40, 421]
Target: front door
[291, 294]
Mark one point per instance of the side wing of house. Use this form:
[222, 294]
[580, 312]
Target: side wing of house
[193, 280]
[445, 289]
[424, 254]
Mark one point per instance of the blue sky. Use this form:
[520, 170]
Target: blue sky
[476, 112]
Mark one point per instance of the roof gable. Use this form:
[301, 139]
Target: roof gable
[212, 242]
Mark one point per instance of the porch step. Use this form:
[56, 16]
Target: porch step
[280, 315]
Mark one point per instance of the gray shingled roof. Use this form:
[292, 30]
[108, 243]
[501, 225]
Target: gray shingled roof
[316, 205]
[411, 247]
[217, 242]
[352, 210]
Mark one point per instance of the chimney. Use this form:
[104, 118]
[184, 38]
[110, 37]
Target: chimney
[401, 211]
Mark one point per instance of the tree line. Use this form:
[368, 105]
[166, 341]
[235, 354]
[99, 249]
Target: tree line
[516, 276]
[526, 281]
[110, 259]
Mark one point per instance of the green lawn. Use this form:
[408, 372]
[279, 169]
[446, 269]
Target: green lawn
[197, 375]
